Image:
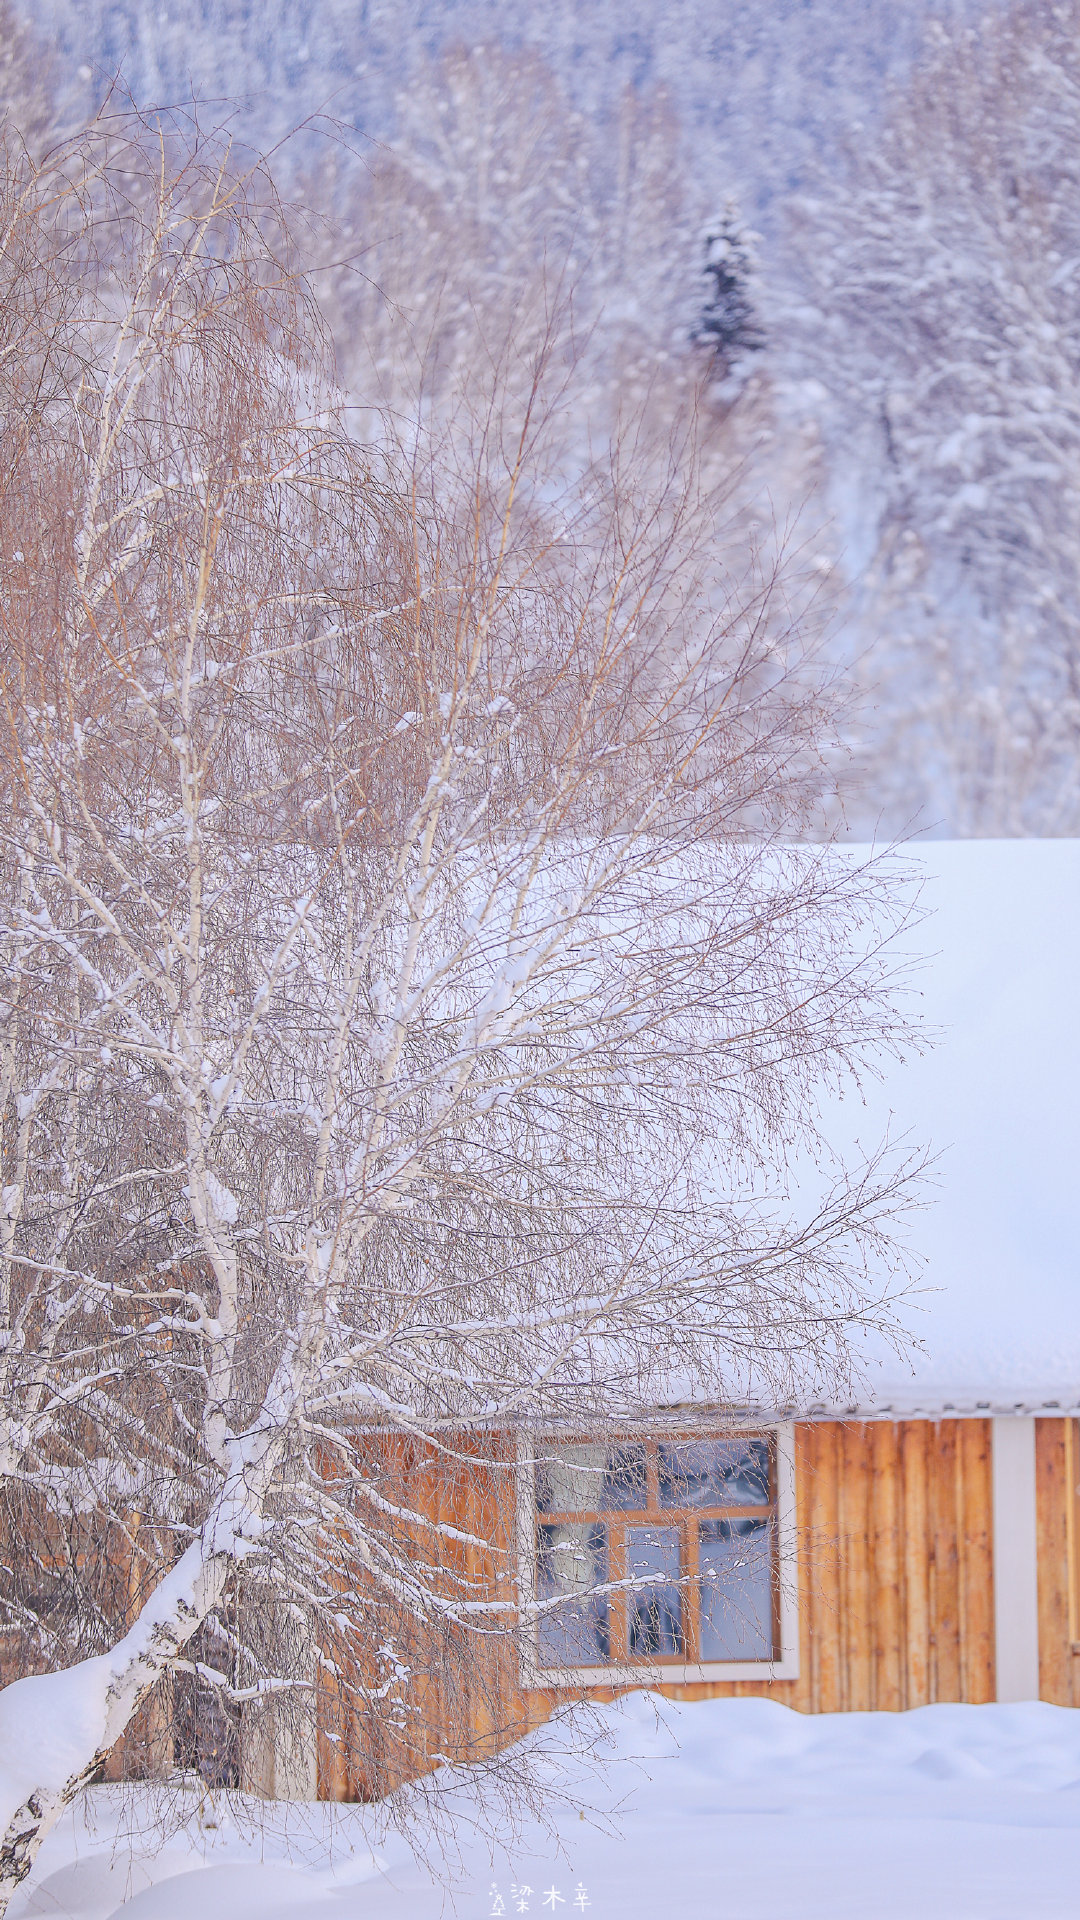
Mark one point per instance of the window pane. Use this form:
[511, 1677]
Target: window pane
[625, 1485]
[571, 1563]
[654, 1612]
[570, 1479]
[714, 1473]
[735, 1558]
[590, 1479]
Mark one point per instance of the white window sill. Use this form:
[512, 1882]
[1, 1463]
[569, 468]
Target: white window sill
[669, 1674]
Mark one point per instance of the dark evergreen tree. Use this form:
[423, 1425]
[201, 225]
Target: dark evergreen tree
[729, 325]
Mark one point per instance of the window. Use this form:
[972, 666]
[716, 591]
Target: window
[658, 1553]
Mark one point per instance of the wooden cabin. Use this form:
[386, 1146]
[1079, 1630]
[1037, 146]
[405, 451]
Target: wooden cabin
[853, 1564]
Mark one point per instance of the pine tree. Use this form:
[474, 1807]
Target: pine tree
[729, 325]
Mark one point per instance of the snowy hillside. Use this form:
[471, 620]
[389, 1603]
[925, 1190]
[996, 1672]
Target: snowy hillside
[759, 90]
[911, 174]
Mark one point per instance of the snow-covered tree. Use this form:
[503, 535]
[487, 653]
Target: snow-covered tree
[937, 312]
[729, 325]
[494, 199]
[27, 80]
[413, 1011]
[499, 223]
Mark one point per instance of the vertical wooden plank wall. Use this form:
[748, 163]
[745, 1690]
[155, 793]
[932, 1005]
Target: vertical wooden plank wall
[1057, 1470]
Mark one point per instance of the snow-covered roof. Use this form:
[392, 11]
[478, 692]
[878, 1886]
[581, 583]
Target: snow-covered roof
[998, 1098]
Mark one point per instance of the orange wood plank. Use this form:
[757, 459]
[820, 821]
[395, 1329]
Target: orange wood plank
[915, 1553]
[823, 1569]
[856, 1574]
[945, 1563]
[885, 1612]
[1072, 1528]
[1051, 1492]
[1071, 1501]
[976, 1560]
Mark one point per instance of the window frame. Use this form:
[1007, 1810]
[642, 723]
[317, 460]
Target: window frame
[664, 1671]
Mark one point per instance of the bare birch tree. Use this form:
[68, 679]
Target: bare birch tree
[414, 1011]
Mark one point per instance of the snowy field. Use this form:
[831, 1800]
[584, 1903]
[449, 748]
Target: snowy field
[733, 1809]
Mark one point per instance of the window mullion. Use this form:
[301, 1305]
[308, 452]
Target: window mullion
[652, 1478]
[691, 1590]
[618, 1612]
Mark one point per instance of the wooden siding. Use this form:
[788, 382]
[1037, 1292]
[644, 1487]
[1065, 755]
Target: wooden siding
[1057, 1468]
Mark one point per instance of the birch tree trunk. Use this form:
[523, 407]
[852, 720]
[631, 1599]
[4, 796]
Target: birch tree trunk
[115, 1685]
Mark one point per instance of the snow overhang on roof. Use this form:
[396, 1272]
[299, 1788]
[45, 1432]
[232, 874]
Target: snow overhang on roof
[938, 1403]
[998, 1099]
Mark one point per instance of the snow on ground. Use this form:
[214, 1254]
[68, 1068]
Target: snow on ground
[727, 1810]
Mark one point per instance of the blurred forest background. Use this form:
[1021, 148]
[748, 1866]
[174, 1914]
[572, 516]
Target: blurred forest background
[835, 244]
